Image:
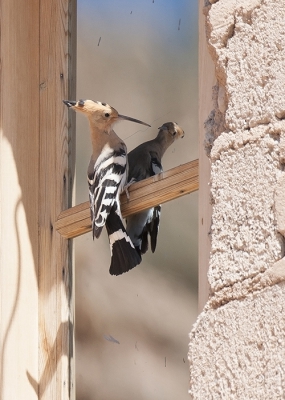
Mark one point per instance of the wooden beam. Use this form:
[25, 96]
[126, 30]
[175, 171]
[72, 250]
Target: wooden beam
[37, 160]
[57, 49]
[207, 80]
[155, 190]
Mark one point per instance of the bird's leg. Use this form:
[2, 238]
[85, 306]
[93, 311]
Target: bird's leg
[126, 187]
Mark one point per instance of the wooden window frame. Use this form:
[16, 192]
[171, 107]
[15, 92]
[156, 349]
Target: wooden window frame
[38, 71]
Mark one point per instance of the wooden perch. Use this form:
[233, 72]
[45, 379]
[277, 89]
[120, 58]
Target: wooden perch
[158, 189]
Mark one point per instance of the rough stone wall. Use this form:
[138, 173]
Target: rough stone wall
[237, 346]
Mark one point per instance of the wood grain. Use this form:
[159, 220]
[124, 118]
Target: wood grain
[56, 169]
[37, 53]
[19, 158]
[155, 190]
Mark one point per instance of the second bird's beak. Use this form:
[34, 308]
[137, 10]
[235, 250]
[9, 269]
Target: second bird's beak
[132, 119]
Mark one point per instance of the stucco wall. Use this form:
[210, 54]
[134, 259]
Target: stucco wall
[237, 346]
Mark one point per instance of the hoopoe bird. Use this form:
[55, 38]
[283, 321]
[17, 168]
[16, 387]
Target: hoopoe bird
[145, 161]
[107, 174]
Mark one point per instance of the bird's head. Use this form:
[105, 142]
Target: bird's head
[170, 131]
[99, 114]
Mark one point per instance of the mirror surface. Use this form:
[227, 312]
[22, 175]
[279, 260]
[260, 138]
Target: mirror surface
[141, 57]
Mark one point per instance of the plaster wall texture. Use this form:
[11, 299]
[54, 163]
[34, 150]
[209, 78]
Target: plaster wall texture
[237, 344]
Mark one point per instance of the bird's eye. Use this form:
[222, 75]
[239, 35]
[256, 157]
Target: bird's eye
[107, 115]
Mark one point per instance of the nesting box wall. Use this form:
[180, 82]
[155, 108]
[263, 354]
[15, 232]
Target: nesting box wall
[237, 344]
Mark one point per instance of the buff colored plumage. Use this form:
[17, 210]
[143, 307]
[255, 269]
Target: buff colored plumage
[107, 173]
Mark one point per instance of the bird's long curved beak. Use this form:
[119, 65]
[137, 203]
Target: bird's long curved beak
[132, 119]
[69, 103]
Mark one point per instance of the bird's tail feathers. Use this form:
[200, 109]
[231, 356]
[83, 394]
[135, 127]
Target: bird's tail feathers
[151, 228]
[124, 256]
[154, 227]
[144, 240]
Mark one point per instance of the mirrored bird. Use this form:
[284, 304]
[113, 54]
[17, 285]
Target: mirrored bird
[145, 161]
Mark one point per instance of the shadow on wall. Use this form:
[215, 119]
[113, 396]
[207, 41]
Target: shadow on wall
[132, 330]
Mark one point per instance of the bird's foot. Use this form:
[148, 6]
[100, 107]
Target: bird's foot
[126, 187]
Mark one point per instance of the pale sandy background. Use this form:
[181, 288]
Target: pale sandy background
[146, 66]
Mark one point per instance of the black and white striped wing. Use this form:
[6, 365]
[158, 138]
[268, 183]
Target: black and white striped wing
[155, 166]
[124, 256]
[105, 184]
[145, 225]
[152, 225]
[150, 229]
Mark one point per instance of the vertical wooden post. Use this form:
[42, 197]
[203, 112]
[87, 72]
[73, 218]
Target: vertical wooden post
[38, 42]
[19, 141]
[206, 82]
[57, 59]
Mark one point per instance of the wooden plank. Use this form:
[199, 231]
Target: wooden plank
[206, 82]
[56, 170]
[158, 189]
